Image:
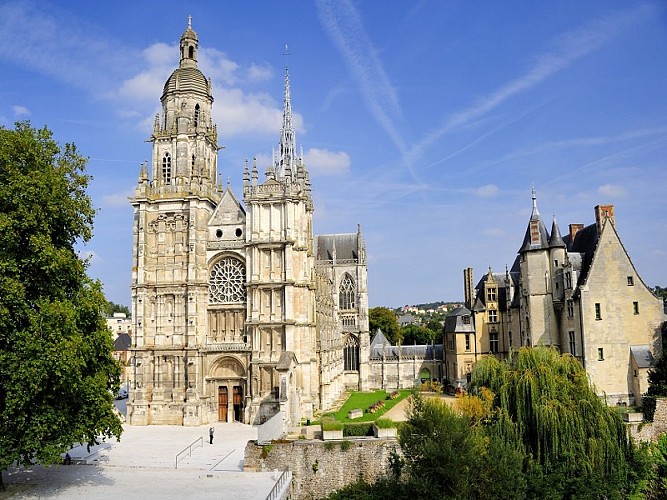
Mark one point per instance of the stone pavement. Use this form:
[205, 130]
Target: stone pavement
[142, 465]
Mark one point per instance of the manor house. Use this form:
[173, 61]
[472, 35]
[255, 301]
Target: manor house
[580, 293]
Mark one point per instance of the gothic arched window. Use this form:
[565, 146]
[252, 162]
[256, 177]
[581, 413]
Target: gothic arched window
[226, 283]
[166, 168]
[347, 293]
[351, 354]
[196, 115]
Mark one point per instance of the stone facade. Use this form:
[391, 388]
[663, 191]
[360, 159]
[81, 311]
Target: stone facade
[580, 293]
[320, 468]
[235, 317]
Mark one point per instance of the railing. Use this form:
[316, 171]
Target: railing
[281, 488]
[199, 440]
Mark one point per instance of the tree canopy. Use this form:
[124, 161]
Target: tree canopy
[385, 320]
[57, 373]
[575, 444]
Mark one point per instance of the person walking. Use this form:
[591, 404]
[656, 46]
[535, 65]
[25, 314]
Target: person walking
[210, 435]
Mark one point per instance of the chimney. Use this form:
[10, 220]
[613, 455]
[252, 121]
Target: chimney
[468, 287]
[602, 213]
[574, 229]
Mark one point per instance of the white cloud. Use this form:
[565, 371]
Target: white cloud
[20, 111]
[325, 162]
[259, 72]
[117, 199]
[487, 190]
[611, 191]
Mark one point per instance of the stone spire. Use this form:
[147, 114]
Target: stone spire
[286, 160]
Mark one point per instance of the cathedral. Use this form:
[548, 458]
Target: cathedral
[239, 311]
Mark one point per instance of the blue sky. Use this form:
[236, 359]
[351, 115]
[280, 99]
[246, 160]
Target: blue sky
[426, 122]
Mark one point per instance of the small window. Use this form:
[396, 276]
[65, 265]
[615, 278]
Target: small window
[598, 311]
[631, 281]
[600, 354]
[573, 345]
[570, 308]
[635, 307]
[493, 342]
[467, 341]
[493, 316]
[466, 320]
[556, 263]
[491, 294]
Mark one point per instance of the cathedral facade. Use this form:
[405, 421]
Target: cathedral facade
[239, 311]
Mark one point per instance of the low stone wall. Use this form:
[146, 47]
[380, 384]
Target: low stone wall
[651, 431]
[319, 468]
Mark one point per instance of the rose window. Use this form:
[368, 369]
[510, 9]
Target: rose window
[227, 282]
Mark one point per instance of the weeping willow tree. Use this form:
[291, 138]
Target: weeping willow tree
[573, 441]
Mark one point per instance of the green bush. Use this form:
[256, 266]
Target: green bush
[358, 429]
[385, 423]
[648, 407]
[345, 445]
[331, 424]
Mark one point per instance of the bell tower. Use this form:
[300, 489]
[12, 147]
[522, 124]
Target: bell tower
[173, 202]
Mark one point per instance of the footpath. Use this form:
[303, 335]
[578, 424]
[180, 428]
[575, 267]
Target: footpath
[143, 465]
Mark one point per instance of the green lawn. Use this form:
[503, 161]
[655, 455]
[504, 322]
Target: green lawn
[365, 399]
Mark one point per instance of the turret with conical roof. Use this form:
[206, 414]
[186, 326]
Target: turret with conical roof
[536, 237]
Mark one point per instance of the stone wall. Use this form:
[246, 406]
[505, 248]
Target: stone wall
[318, 467]
[651, 431]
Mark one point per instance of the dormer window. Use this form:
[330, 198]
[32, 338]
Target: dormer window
[491, 294]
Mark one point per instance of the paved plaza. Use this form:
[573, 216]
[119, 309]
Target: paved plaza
[142, 465]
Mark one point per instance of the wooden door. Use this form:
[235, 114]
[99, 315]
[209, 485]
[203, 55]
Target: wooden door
[222, 403]
[238, 402]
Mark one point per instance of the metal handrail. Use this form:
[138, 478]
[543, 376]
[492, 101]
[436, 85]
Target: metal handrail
[199, 440]
[285, 477]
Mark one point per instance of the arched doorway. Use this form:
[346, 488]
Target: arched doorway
[228, 376]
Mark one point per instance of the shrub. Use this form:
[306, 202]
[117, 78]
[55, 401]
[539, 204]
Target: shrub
[648, 407]
[385, 423]
[266, 449]
[345, 445]
[358, 429]
[331, 424]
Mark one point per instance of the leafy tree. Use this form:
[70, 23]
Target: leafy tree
[416, 334]
[447, 457]
[385, 320]
[660, 292]
[657, 387]
[112, 308]
[575, 444]
[57, 373]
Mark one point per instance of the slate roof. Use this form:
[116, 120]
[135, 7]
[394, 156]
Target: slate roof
[380, 346]
[642, 356]
[122, 343]
[345, 245]
[454, 321]
[555, 240]
[584, 244]
[480, 299]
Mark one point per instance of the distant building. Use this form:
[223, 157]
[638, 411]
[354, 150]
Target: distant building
[580, 293]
